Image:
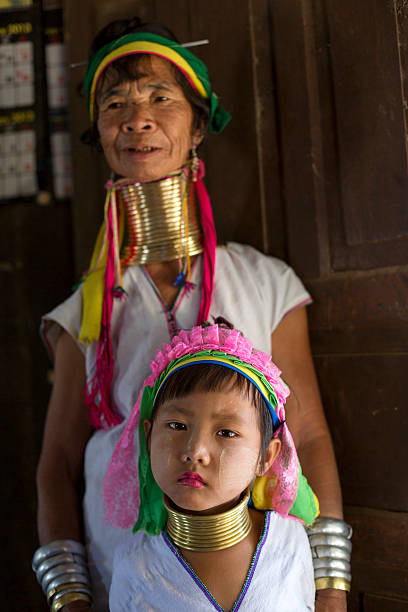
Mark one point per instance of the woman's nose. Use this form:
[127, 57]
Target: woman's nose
[137, 119]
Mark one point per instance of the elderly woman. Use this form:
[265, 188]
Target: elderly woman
[155, 270]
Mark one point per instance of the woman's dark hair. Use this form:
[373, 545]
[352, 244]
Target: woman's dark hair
[127, 68]
[213, 377]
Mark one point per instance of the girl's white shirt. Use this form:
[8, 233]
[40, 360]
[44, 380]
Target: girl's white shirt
[150, 575]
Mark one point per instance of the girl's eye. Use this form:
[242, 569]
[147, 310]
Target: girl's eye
[227, 433]
[177, 426]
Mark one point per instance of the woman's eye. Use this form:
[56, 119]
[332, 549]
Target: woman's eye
[177, 426]
[227, 433]
[161, 99]
[115, 105]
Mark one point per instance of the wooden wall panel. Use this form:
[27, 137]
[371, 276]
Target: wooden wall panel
[370, 120]
[379, 558]
[360, 313]
[373, 603]
[368, 82]
[317, 104]
[365, 403]
[294, 85]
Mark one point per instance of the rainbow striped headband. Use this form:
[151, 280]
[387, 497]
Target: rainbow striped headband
[193, 69]
[231, 362]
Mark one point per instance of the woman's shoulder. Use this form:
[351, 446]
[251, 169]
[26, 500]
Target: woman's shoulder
[254, 267]
[249, 255]
[65, 316]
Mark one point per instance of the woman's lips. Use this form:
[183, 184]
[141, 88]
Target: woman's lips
[141, 152]
[191, 479]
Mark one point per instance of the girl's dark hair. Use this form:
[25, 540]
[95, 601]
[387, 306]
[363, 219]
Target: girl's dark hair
[213, 377]
[127, 69]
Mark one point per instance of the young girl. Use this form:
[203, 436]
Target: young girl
[218, 479]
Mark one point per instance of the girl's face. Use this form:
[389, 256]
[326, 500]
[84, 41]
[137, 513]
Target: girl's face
[205, 449]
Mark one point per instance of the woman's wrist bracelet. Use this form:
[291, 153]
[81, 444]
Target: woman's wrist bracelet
[332, 583]
[68, 598]
[330, 543]
[61, 569]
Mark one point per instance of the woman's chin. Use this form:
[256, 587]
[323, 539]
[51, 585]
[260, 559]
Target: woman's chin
[143, 171]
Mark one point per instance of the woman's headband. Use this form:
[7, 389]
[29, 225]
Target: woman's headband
[193, 69]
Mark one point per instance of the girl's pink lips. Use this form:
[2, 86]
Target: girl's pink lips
[191, 479]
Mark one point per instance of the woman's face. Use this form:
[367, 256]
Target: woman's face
[205, 449]
[145, 125]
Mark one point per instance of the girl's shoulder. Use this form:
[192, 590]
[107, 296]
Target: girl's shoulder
[133, 544]
[287, 537]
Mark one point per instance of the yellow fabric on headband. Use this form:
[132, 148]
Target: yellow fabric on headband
[203, 359]
[145, 47]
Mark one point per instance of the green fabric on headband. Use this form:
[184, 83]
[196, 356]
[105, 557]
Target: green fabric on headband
[152, 514]
[218, 116]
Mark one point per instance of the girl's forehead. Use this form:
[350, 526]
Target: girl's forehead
[229, 402]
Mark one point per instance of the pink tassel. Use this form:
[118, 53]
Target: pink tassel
[97, 392]
[210, 243]
[188, 286]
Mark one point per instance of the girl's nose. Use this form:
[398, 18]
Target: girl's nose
[137, 119]
[196, 452]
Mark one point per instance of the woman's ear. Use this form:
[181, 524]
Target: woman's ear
[197, 136]
[271, 454]
[147, 426]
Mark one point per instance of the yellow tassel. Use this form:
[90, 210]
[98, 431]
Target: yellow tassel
[93, 286]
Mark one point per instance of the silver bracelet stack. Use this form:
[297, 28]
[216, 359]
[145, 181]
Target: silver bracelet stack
[61, 569]
[330, 542]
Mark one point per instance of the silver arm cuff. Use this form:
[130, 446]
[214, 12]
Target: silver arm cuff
[59, 564]
[323, 573]
[330, 545]
[60, 570]
[321, 539]
[330, 551]
[55, 548]
[331, 526]
[328, 563]
[67, 579]
[55, 560]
